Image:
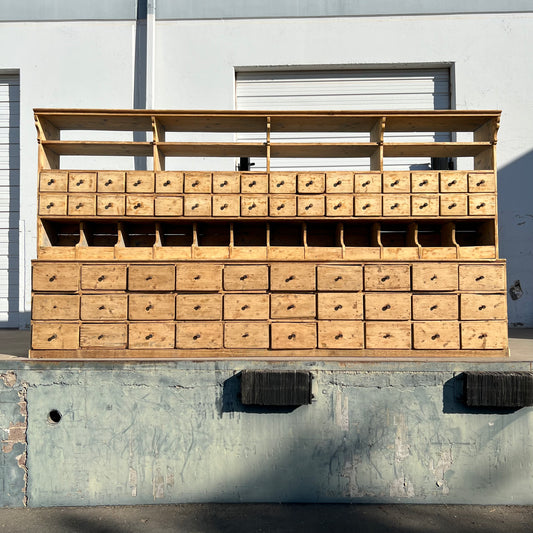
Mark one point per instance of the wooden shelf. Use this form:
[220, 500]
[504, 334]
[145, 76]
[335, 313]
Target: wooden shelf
[436, 149]
[99, 148]
[213, 149]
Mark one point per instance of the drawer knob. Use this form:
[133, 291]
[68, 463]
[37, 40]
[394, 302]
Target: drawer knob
[425, 204]
[195, 206]
[338, 336]
[291, 336]
[253, 206]
[337, 206]
[222, 207]
[195, 183]
[52, 180]
[252, 183]
[137, 205]
[394, 183]
[366, 206]
[197, 307]
[290, 306]
[148, 278]
[54, 307]
[53, 278]
[422, 183]
[385, 278]
[280, 183]
[366, 183]
[281, 206]
[481, 182]
[338, 278]
[387, 336]
[166, 183]
[453, 182]
[479, 278]
[434, 277]
[479, 206]
[108, 205]
[244, 307]
[100, 336]
[102, 307]
[138, 182]
[196, 337]
[51, 204]
[79, 183]
[244, 276]
[101, 278]
[481, 307]
[394, 206]
[197, 277]
[433, 307]
[451, 206]
[307, 207]
[483, 336]
[79, 205]
[52, 337]
[435, 337]
[337, 183]
[224, 183]
[290, 278]
[244, 335]
[337, 307]
[148, 307]
[385, 307]
[149, 336]
[108, 182]
[309, 183]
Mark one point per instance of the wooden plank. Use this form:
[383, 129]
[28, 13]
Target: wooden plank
[435, 149]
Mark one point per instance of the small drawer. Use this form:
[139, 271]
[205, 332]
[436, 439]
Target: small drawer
[424, 206]
[282, 183]
[435, 277]
[197, 182]
[104, 306]
[367, 183]
[199, 307]
[226, 182]
[311, 206]
[436, 335]
[196, 335]
[293, 335]
[55, 277]
[168, 206]
[103, 277]
[55, 307]
[103, 335]
[198, 205]
[395, 182]
[226, 205]
[483, 307]
[54, 336]
[168, 182]
[140, 181]
[53, 181]
[246, 335]
[340, 306]
[387, 306]
[339, 277]
[111, 181]
[311, 182]
[52, 204]
[368, 205]
[254, 183]
[292, 277]
[82, 204]
[388, 335]
[282, 206]
[198, 277]
[340, 334]
[339, 206]
[246, 306]
[292, 305]
[150, 335]
[339, 182]
[453, 181]
[435, 307]
[482, 277]
[387, 278]
[245, 277]
[138, 205]
[151, 307]
[82, 182]
[110, 205]
[453, 205]
[484, 335]
[151, 278]
[481, 204]
[424, 182]
[396, 205]
[254, 206]
[482, 182]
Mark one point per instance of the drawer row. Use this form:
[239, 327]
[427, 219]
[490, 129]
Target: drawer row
[263, 205]
[323, 334]
[287, 277]
[273, 182]
[261, 306]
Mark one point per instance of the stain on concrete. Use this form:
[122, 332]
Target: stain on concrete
[9, 378]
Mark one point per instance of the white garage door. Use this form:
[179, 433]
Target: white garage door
[9, 200]
[389, 89]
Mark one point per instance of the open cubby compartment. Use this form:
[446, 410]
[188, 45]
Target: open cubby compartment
[136, 240]
[399, 240]
[285, 240]
[436, 240]
[97, 240]
[57, 239]
[211, 240]
[476, 239]
[360, 240]
[323, 240]
[249, 240]
[174, 240]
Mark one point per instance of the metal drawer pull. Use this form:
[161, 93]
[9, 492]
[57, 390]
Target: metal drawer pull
[252, 183]
[148, 278]
[100, 336]
[292, 336]
[244, 307]
[79, 183]
[337, 307]
[52, 180]
[108, 205]
[366, 183]
[149, 336]
[434, 277]
[309, 183]
[138, 182]
[280, 207]
[101, 278]
[394, 183]
[244, 276]
[290, 306]
[336, 184]
[308, 206]
[252, 207]
[425, 204]
[79, 205]
[385, 307]
[394, 206]
[197, 277]
[480, 183]
[54, 336]
[102, 307]
[197, 307]
[290, 278]
[366, 206]
[196, 337]
[451, 206]
[338, 336]
[453, 182]
[195, 206]
[387, 336]
[479, 278]
[51, 204]
[222, 207]
[337, 206]
[53, 278]
[245, 335]
[166, 183]
[422, 183]
[108, 182]
[137, 205]
[338, 278]
[148, 307]
[385, 278]
[483, 336]
[433, 307]
[195, 183]
[280, 183]
[224, 183]
[481, 307]
[479, 206]
[434, 337]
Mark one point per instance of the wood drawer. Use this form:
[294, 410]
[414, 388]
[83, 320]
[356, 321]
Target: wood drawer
[104, 307]
[435, 277]
[484, 335]
[282, 183]
[367, 183]
[482, 204]
[199, 307]
[197, 205]
[483, 307]
[110, 205]
[137, 205]
[311, 206]
[339, 206]
[293, 335]
[103, 277]
[82, 205]
[292, 277]
[424, 182]
[424, 206]
[282, 206]
[198, 277]
[157, 335]
[395, 182]
[151, 278]
[151, 307]
[140, 181]
[103, 335]
[225, 205]
[482, 182]
[55, 307]
[340, 334]
[396, 205]
[254, 183]
[453, 181]
[311, 182]
[435, 307]
[368, 205]
[453, 205]
[388, 335]
[52, 204]
[197, 182]
[339, 277]
[340, 306]
[82, 182]
[55, 277]
[246, 306]
[53, 181]
[387, 278]
[482, 277]
[387, 306]
[245, 277]
[254, 206]
[54, 336]
[292, 305]
[111, 181]
[226, 182]
[339, 182]
[168, 206]
[195, 335]
[168, 182]
[246, 335]
[436, 335]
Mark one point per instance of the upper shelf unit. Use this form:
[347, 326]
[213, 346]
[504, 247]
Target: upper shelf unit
[370, 127]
